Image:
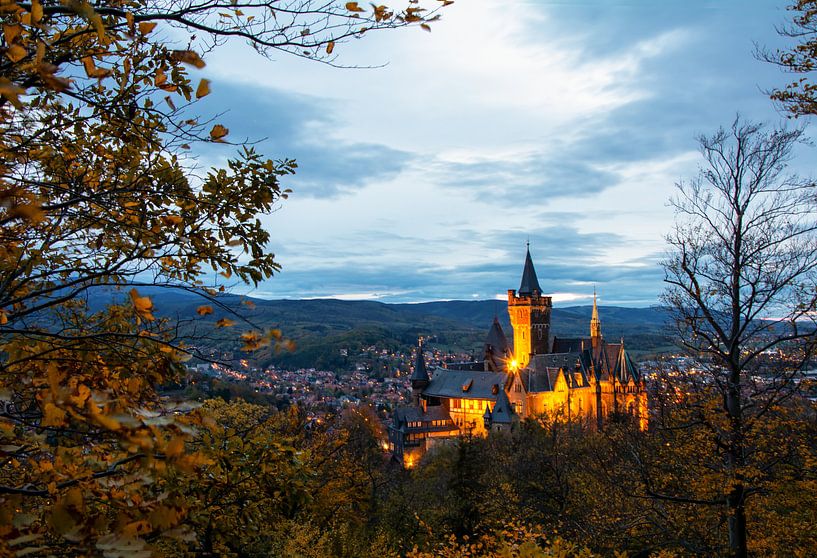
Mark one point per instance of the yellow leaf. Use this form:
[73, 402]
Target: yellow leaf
[353, 7]
[225, 322]
[330, 46]
[203, 89]
[146, 27]
[4, 319]
[62, 520]
[425, 27]
[52, 415]
[142, 304]
[188, 57]
[204, 310]
[163, 517]
[218, 133]
[107, 422]
[92, 71]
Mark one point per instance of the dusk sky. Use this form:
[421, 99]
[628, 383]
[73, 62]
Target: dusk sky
[566, 122]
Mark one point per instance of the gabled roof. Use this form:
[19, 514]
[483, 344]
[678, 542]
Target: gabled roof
[503, 412]
[530, 283]
[480, 384]
[420, 372]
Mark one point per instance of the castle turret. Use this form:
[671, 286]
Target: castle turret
[496, 351]
[486, 418]
[503, 416]
[419, 378]
[595, 324]
[530, 316]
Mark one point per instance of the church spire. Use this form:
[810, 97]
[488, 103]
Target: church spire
[530, 284]
[595, 323]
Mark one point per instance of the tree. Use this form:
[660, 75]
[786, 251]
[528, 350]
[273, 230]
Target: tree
[799, 98]
[98, 191]
[742, 286]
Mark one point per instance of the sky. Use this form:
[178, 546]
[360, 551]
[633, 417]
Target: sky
[565, 123]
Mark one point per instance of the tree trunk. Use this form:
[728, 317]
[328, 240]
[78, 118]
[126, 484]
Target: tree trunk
[735, 459]
[737, 522]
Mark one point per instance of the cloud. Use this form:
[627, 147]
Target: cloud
[523, 177]
[285, 125]
[565, 122]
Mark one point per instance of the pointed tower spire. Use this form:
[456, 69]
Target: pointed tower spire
[420, 373]
[595, 323]
[530, 283]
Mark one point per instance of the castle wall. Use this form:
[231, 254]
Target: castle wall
[467, 414]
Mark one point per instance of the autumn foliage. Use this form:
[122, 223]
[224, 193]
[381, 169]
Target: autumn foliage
[101, 198]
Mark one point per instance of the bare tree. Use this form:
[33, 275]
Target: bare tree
[741, 276]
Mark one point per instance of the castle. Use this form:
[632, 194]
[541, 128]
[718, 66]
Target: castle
[584, 379]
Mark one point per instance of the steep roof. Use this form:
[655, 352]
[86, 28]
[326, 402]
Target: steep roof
[466, 384]
[626, 368]
[570, 344]
[420, 372]
[568, 361]
[496, 339]
[503, 412]
[530, 283]
[405, 416]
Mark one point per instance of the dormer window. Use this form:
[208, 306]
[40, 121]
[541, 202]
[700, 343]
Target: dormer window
[467, 385]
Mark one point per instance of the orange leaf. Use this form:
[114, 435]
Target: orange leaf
[142, 304]
[330, 46]
[175, 447]
[52, 415]
[36, 11]
[225, 322]
[353, 7]
[188, 57]
[11, 92]
[16, 53]
[204, 310]
[218, 133]
[146, 27]
[203, 89]
[171, 220]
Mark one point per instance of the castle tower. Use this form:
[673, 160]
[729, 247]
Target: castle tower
[419, 378]
[595, 324]
[530, 316]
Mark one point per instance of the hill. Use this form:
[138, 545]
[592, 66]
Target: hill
[322, 327]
